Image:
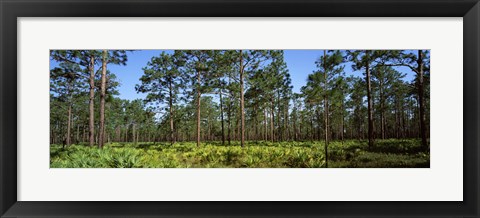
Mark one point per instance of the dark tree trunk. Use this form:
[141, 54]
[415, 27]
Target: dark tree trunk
[265, 125]
[312, 133]
[221, 117]
[242, 106]
[272, 120]
[77, 139]
[69, 125]
[371, 134]
[170, 104]
[229, 123]
[326, 106]
[343, 118]
[285, 122]
[382, 112]
[133, 133]
[198, 108]
[421, 90]
[295, 132]
[255, 122]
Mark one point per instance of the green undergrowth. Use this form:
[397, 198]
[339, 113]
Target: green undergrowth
[260, 154]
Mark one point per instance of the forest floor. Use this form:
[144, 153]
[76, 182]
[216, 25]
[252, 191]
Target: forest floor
[391, 153]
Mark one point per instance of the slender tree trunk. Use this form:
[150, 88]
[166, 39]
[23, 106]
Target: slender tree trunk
[237, 124]
[285, 122]
[343, 117]
[209, 128]
[242, 106]
[272, 126]
[397, 119]
[312, 131]
[421, 90]
[325, 101]
[279, 119]
[91, 122]
[198, 108]
[69, 126]
[101, 136]
[77, 138]
[295, 132]
[170, 104]
[255, 122]
[126, 134]
[229, 124]
[221, 117]
[133, 133]
[371, 133]
[265, 125]
[382, 111]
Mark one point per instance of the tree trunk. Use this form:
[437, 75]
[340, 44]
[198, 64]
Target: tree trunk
[285, 121]
[265, 125]
[126, 134]
[423, 130]
[343, 117]
[295, 132]
[133, 133]
[312, 129]
[101, 136]
[221, 117]
[69, 127]
[84, 134]
[170, 104]
[325, 101]
[242, 106]
[198, 108]
[370, 105]
[77, 139]
[229, 125]
[91, 123]
[272, 117]
[255, 123]
[382, 111]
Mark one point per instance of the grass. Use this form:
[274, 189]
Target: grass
[352, 153]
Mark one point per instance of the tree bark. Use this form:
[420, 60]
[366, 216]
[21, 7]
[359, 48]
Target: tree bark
[170, 104]
[77, 138]
[343, 116]
[229, 124]
[423, 130]
[370, 104]
[69, 126]
[382, 111]
[285, 122]
[325, 101]
[295, 117]
[242, 106]
[91, 122]
[133, 133]
[101, 137]
[221, 117]
[198, 108]
[265, 125]
[272, 117]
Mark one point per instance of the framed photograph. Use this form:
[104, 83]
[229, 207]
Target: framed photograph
[224, 108]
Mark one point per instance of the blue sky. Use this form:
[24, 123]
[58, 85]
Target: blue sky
[300, 63]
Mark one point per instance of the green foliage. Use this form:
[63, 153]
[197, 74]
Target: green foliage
[260, 154]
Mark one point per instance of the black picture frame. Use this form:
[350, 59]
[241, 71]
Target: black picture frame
[10, 10]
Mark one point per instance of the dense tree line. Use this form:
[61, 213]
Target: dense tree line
[226, 95]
